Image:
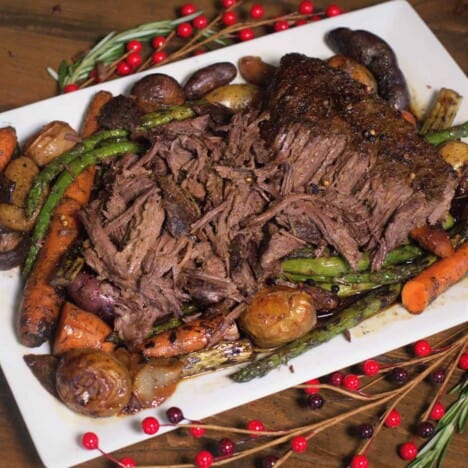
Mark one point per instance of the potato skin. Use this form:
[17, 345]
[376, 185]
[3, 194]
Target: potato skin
[22, 171]
[278, 315]
[355, 70]
[93, 383]
[236, 97]
[157, 91]
[209, 78]
[255, 71]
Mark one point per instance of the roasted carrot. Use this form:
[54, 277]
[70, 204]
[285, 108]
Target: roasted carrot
[90, 123]
[78, 328]
[434, 239]
[8, 143]
[40, 305]
[420, 291]
[409, 117]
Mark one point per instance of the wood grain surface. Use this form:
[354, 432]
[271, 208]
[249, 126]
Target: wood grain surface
[35, 34]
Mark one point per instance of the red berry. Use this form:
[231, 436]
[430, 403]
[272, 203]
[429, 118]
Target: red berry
[315, 401]
[188, 9]
[90, 441]
[134, 46]
[351, 382]
[422, 348]
[306, 7]
[158, 41]
[134, 59]
[200, 22]
[393, 419]
[246, 34]
[255, 425]
[269, 461]
[174, 414]
[228, 3]
[300, 22]
[359, 461]
[204, 459]
[158, 56]
[437, 411]
[198, 431]
[257, 11]
[199, 52]
[69, 88]
[333, 10]
[437, 376]
[315, 18]
[463, 362]
[370, 367]
[312, 386]
[299, 444]
[128, 462]
[408, 451]
[123, 68]
[226, 447]
[150, 425]
[336, 378]
[425, 429]
[281, 25]
[184, 30]
[229, 18]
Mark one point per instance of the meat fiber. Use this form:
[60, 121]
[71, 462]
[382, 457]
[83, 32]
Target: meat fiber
[208, 213]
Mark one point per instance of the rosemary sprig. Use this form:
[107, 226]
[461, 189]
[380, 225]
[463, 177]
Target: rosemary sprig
[110, 48]
[454, 419]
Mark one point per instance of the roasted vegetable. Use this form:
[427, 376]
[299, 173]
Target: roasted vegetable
[278, 315]
[13, 249]
[157, 91]
[209, 78]
[453, 133]
[433, 239]
[78, 328]
[14, 218]
[374, 53]
[8, 144]
[22, 171]
[349, 317]
[355, 70]
[255, 71]
[153, 119]
[44, 368]
[442, 112]
[456, 154]
[236, 97]
[53, 139]
[419, 292]
[93, 383]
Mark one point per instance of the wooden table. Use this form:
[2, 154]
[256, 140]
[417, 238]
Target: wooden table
[38, 33]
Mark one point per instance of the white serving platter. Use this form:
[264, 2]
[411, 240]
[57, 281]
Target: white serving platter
[55, 430]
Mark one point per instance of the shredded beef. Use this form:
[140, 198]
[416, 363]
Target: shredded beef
[208, 213]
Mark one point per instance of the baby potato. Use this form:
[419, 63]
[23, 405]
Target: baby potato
[53, 139]
[455, 153]
[14, 218]
[278, 315]
[208, 78]
[255, 71]
[22, 172]
[355, 70]
[236, 97]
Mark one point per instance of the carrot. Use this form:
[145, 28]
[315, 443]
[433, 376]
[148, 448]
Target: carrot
[8, 144]
[40, 304]
[90, 123]
[434, 239]
[78, 328]
[420, 291]
[409, 117]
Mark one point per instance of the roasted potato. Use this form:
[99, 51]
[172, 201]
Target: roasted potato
[236, 97]
[157, 91]
[278, 315]
[13, 217]
[53, 139]
[22, 172]
[455, 153]
[209, 78]
[355, 70]
[255, 71]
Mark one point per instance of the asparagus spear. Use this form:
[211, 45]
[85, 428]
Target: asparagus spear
[75, 168]
[362, 309]
[56, 166]
[336, 266]
[154, 119]
[453, 133]
[226, 353]
[390, 275]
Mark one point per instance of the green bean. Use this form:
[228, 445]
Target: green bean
[453, 133]
[154, 119]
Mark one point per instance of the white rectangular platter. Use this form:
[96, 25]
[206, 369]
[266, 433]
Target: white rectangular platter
[55, 430]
